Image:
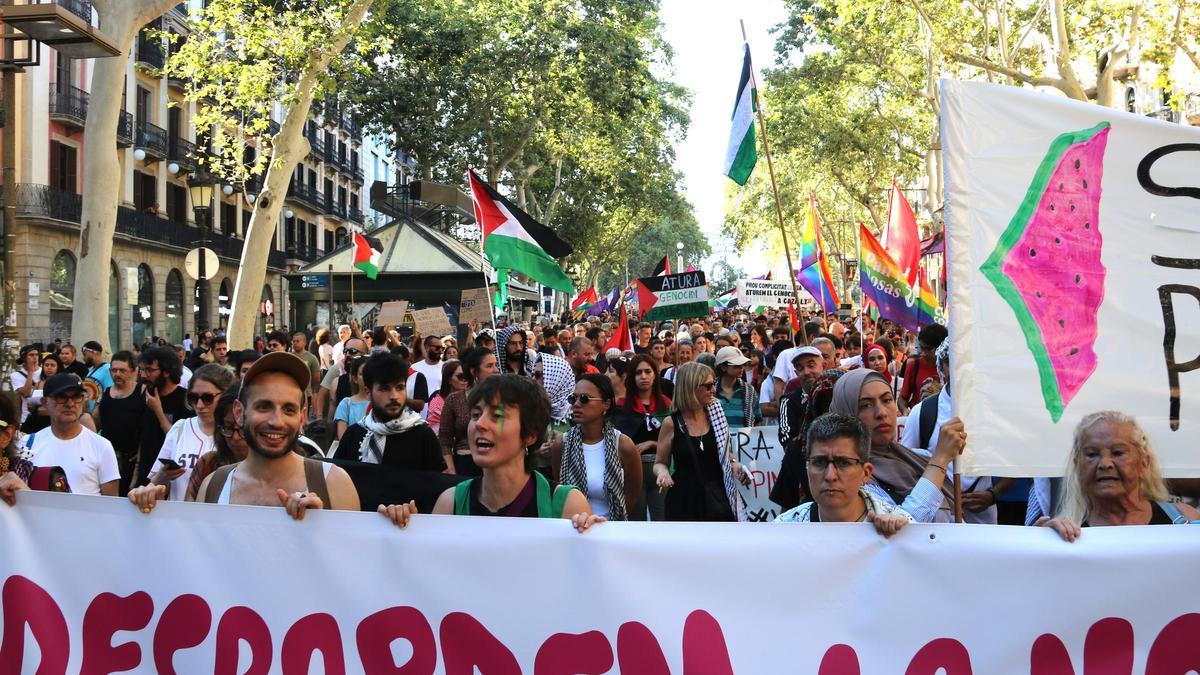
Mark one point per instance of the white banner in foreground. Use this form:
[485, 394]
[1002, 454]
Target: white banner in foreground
[91, 585]
[1073, 245]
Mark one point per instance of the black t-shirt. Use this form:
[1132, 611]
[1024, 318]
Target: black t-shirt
[122, 420]
[175, 407]
[77, 367]
[416, 449]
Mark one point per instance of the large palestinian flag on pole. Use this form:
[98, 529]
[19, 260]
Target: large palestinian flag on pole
[367, 253]
[742, 153]
[513, 240]
[676, 296]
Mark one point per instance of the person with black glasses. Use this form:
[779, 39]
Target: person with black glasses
[188, 439]
[839, 467]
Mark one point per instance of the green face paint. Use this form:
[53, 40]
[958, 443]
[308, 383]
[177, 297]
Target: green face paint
[500, 418]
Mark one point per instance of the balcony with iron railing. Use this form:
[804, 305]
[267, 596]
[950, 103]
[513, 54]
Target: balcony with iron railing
[125, 129]
[68, 105]
[316, 148]
[356, 215]
[356, 173]
[152, 139]
[183, 153]
[302, 193]
[149, 51]
[80, 8]
[349, 125]
[302, 251]
[42, 201]
[335, 209]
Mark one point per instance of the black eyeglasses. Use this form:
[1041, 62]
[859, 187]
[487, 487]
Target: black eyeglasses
[583, 399]
[709, 385]
[821, 463]
[193, 398]
[228, 430]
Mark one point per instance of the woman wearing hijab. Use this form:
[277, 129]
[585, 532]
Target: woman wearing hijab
[639, 416]
[602, 461]
[915, 482]
[696, 438]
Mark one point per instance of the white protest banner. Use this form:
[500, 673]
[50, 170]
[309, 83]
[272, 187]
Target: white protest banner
[246, 589]
[432, 321]
[764, 293]
[474, 307]
[674, 296]
[1073, 246]
[392, 313]
[758, 450]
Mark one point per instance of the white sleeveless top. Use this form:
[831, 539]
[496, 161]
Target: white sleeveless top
[593, 461]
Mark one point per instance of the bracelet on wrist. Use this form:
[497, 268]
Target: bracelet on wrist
[938, 466]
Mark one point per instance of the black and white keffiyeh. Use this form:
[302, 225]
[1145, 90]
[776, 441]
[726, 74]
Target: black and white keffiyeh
[502, 339]
[374, 441]
[574, 467]
[559, 381]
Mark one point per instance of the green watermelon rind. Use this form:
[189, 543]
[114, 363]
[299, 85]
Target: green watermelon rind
[991, 268]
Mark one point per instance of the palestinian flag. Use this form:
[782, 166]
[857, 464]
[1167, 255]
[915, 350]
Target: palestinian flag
[514, 241]
[678, 296]
[585, 299]
[742, 153]
[367, 253]
[662, 269]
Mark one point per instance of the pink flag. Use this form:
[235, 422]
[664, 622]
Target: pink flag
[900, 237]
[691, 268]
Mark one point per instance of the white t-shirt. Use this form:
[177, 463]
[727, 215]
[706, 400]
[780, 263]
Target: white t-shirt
[185, 443]
[766, 394]
[593, 462]
[784, 370]
[88, 460]
[432, 373]
[18, 379]
[185, 376]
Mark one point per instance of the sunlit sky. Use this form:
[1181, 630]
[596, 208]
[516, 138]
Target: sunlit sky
[707, 42]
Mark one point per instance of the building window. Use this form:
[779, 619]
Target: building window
[145, 192]
[62, 294]
[142, 316]
[143, 104]
[63, 163]
[224, 303]
[63, 77]
[328, 241]
[173, 327]
[340, 236]
[228, 218]
[177, 203]
[312, 235]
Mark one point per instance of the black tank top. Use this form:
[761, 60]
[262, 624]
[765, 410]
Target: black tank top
[1157, 516]
[121, 420]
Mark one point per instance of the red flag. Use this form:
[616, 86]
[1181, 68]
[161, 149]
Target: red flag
[621, 338]
[587, 297]
[795, 320]
[900, 237]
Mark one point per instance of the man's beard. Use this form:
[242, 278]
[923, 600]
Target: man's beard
[157, 384]
[382, 415]
[518, 357]
[248, 436]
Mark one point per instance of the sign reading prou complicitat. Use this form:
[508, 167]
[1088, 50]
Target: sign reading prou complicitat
[674, 296]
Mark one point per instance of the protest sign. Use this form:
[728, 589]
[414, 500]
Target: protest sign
[452, 594]
[758, 449]
[1072, 289]
[432, 321]
[474, 307]
[764, 293]
[675, 296]
[392, 313]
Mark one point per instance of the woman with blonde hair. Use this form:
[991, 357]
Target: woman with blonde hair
[696, 437]
[1113, 478]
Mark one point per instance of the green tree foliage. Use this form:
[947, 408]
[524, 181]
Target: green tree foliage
[652, 242]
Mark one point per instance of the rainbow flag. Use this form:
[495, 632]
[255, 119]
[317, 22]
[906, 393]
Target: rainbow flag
[885, 284]
[814, 274]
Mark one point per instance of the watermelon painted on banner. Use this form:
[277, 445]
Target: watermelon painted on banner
[1073, 249]
[675, 296]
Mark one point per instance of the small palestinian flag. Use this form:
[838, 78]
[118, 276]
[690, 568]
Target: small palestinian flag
[367, 253]
[663, 268]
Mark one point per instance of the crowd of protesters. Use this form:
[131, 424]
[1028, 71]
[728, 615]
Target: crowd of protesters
[551, 421]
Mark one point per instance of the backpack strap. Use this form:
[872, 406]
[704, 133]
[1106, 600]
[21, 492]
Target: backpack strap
[1173, 512]
[462, 498]
[314, 479]
[929, 410]
[217, 483]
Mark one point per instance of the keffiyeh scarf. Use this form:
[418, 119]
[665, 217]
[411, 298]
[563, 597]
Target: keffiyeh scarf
[574, 467]
[502, 339]
[559, 381]
[374, 441]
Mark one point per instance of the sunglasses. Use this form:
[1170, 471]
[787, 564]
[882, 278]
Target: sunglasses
[193, 398]
[583, 399]
[709, 385]
[351, 352]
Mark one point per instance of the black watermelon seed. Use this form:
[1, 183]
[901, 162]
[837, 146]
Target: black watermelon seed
[1076, 164]
[1085, 184]
[1062, 324]
[1052, 207]
[1057, 240]
[1032, 253]
[1076, 278]
[1061, 187]
[1074, 351]
[1072, 207]
[1087, 226]
[1038, 293]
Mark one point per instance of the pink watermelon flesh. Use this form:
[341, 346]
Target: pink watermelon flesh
[1056, 266]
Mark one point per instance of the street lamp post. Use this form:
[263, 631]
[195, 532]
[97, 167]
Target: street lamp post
[200, 188]
[678, 257]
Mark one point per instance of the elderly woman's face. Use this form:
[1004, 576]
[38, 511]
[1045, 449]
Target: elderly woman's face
[877, 410]
[1111, 462]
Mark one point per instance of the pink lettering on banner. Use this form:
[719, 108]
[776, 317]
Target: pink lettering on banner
[243, 623]
[1176, 650]
[566, 653]
[315, 632]
[108, 614]
[376, 633]
[638, 651]
[1107, 650]
[27, 604]
[467, 645]
[184, 624]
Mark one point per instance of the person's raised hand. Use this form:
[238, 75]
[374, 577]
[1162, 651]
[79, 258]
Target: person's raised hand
[1069, 530]
[582, 521]
[147, 496]
[153, 401]
[887, 524]
[9, 484]
[952, 438]
[399, 514]
[297, 503]
[977, 501]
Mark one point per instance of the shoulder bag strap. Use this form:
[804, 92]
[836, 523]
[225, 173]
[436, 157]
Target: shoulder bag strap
[314, 479]
[1173, 512]
[217, 483]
